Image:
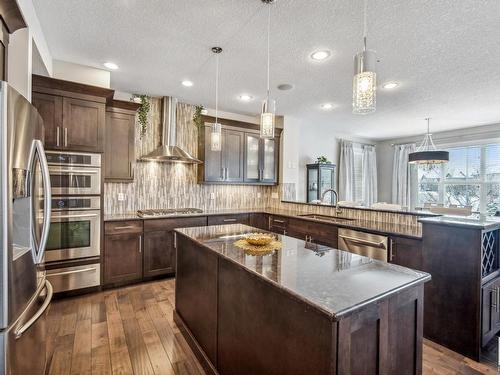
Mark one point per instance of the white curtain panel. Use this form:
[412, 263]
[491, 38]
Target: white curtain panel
[346, 171]
[369, 175]
[401, 175]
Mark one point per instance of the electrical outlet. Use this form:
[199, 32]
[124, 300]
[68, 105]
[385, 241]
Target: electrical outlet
[275, 195]
[212, 196]
[121, 197]
[259, 195]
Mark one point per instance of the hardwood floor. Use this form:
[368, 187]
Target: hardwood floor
[130, 330]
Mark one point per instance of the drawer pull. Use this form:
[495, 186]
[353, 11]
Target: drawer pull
[90, 269]
[229, 220]
[279, 221]
[125, 227]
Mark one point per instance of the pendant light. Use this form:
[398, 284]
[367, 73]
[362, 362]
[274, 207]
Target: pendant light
[427, 153]
[364, 83]
[216, 134]
[267, 116]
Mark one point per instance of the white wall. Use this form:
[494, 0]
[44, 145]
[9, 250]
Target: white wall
[81, 73]
[303, 143]
[478, 134]
[20, 62]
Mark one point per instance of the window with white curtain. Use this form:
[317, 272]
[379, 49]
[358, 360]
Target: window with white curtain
[470, 178]
[358, 172]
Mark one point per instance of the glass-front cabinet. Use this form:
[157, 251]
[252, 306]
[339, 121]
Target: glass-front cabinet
[320, 178]
[261, 161]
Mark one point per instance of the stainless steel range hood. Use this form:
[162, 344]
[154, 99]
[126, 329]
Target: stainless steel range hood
[168, 152]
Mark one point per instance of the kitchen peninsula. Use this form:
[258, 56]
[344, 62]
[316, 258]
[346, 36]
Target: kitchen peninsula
[304, 309]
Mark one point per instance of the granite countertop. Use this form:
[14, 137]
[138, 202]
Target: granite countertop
[473, 221]
[333, 281]
[410, 231]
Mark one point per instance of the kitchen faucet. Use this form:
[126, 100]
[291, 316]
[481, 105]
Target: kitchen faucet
[338, 210]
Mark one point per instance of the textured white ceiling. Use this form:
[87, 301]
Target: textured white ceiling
[445, 53]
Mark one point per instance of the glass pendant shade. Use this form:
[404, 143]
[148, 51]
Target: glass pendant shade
[267, 119]
[216, 137]
[364, 84]
[427, 153]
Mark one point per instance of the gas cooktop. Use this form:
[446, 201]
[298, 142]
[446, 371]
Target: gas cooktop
[168, 212]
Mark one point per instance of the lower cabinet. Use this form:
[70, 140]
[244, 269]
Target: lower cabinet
[490, 310]
[228, 219]
[122, 257]
[259, 220]
[406, 252]
[158, 253]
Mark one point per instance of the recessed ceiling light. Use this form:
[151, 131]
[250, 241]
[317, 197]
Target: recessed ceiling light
[327, 106]
[285, 87]
[187, 83]
[246, 97]
[110, 65]
[320, 55]
[390, 85]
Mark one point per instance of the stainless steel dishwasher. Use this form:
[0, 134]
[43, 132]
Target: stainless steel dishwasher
[370, 245]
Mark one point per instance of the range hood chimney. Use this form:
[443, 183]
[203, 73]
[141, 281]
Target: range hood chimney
[168, 152]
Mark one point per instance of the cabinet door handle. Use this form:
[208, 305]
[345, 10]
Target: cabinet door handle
[65, 137]
[226, 175]
[222, 173]
[392, 252]
[140, 244]
[229, 220]
[58, 136]
[125, 227]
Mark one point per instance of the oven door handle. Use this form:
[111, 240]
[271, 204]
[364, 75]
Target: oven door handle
[361, 241]
[74, 171]
[74, 216]
[89, 269]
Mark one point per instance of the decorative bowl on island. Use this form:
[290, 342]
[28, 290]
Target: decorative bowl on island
[259, 239]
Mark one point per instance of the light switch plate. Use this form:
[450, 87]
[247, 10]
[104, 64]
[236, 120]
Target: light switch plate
[259, 195]
[212, 196]
[275, 195]
[121, 197]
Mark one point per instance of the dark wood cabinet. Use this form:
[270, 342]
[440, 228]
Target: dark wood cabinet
[259, 220]
[123, 258]
[278, 224]
[50, 108]
[158, 253]
[320, 178]
[228, 219]
[322, 234]
[73, 113]
[119, 144]
[406, 252]
[490, 310]
[159, 249]
[245, 158]
[83, 125]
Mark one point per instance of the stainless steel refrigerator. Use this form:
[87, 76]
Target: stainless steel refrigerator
[25, 203]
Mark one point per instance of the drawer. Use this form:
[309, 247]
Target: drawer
[122, 227]
[228, 219]
[278, 221]
[154, 225]
[76, 277]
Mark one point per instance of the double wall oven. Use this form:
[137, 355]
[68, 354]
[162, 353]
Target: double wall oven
[74, 241]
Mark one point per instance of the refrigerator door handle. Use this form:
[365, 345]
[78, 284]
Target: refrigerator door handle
[38, 151]
[48, 298]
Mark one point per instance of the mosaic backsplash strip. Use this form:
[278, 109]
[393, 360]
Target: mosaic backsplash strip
[170, 185]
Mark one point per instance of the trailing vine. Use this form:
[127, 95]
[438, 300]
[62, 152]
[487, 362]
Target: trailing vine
[198, 111]
[143, 112]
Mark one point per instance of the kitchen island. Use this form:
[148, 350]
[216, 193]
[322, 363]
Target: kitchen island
[304, 309]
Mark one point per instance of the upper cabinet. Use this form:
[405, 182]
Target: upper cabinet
[73, 113]
[119, 145]
[244, 158]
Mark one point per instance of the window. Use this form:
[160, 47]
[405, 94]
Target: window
[471, 178]
[358, 172]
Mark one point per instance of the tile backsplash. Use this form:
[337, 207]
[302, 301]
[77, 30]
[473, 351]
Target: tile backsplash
[174, 185]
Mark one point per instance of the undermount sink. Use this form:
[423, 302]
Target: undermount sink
[331, 219]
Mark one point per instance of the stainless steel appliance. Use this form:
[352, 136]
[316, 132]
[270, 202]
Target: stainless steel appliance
[25, 213]
[159, 212]
[74, 277]
[74, 173]
[75, 229]
[371, 245]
